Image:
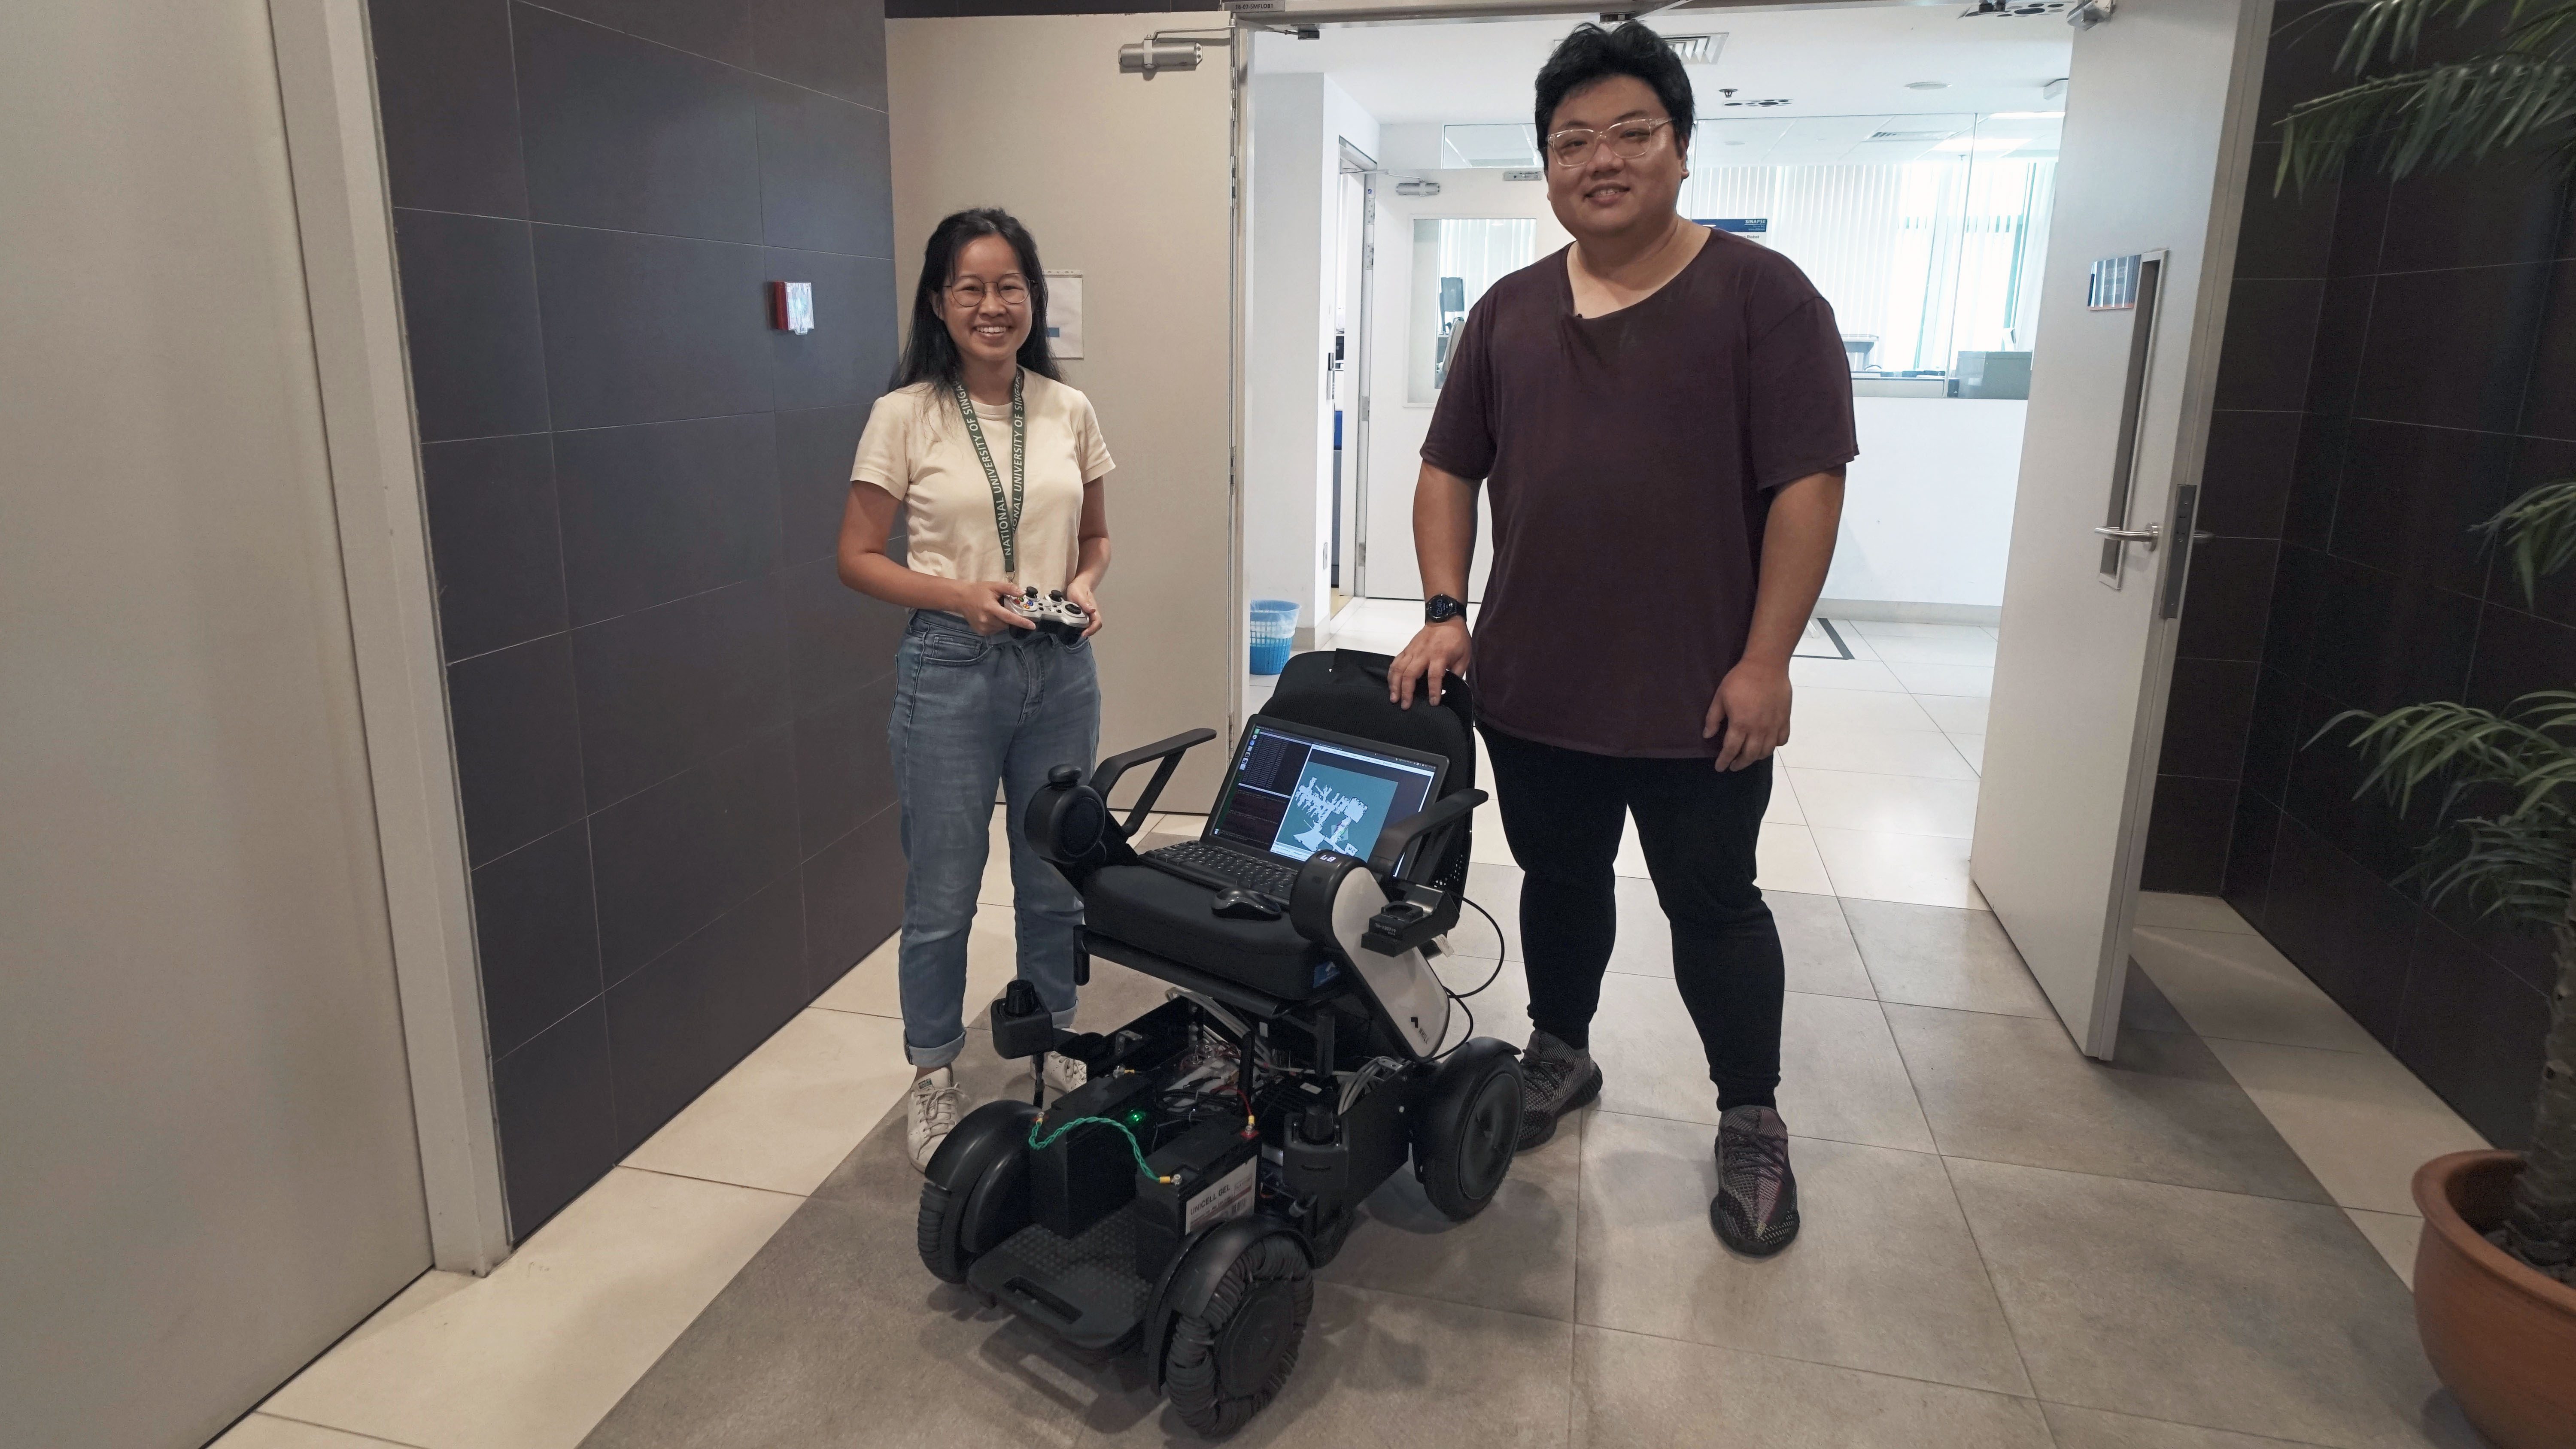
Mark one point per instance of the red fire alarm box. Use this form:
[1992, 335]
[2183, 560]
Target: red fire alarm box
[791, 306]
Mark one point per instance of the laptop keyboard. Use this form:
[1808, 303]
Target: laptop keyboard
[1197, 857]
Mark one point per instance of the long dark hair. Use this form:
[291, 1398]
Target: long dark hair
[930, 354]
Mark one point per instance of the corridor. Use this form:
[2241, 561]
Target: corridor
[2197, 1247]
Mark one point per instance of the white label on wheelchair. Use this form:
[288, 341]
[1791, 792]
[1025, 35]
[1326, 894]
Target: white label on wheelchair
[1228, 1198]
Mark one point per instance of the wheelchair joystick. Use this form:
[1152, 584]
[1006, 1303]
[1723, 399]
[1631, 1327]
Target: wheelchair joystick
[1022, 1025]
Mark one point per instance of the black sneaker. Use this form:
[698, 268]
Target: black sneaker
[1755, 1211]
[1555, 1079]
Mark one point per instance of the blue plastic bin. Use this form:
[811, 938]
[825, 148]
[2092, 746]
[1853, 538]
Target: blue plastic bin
[1274, 634]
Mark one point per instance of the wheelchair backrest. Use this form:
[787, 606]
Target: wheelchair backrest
[1345, 690]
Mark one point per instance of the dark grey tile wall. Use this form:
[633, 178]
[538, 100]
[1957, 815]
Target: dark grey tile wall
[670, 717]
[2397, 364]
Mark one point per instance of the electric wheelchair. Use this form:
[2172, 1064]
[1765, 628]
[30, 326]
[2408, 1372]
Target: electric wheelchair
[1179, 1201]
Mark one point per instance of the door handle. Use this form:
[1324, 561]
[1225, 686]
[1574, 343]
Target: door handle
[2151, 535]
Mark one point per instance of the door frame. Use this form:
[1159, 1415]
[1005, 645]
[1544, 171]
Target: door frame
[1352, 521]
[344, 220]
[2210, 310]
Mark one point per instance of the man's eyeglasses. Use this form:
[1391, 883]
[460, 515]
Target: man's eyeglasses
[971, 294]
[1627, 140]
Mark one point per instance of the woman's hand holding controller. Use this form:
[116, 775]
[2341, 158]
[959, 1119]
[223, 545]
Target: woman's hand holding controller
[986, 604]
[1079, 594]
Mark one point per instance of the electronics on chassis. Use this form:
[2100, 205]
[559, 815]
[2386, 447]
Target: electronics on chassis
[1178, 1203]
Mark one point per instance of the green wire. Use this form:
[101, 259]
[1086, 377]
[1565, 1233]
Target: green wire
[1041, 1144]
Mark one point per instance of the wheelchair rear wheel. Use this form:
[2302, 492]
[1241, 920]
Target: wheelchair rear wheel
[1467, 1128]
[975, 1191]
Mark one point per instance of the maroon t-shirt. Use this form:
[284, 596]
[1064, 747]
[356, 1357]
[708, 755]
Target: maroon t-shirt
[1631, 458]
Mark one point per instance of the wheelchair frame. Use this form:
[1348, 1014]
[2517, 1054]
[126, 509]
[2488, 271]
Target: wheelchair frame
[1277, 1117]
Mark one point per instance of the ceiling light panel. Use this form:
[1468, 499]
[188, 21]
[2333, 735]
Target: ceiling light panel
[1502, 145]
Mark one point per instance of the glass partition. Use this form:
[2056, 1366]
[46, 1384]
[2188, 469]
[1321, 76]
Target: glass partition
[1926, 233]
[1454, 260]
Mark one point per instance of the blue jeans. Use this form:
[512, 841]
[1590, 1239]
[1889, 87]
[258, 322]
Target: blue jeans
[972, 711]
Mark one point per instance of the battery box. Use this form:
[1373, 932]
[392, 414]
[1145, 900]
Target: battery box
[1090, 1171]
[1215, 1172]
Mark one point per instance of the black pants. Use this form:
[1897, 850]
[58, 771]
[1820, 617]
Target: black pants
[1563, 811]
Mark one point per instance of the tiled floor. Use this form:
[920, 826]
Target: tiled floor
[2005, 1244]
[1876, 794]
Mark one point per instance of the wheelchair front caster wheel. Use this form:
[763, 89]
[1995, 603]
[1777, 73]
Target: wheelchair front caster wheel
[1467, 1128]
[1223, 1365]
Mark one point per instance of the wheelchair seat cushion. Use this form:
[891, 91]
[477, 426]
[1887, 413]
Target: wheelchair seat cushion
[1169, 916]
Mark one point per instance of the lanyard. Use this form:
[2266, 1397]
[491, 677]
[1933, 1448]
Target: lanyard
[1006, 513]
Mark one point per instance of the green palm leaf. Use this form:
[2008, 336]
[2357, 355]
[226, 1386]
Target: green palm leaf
[2390, 30]
[2432, 118]
[2517, 860]
[2539, 533]
[2517, 869]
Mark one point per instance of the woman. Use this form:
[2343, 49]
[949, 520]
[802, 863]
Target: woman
[1000, 470]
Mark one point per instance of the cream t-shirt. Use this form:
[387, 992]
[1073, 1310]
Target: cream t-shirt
[916, 448]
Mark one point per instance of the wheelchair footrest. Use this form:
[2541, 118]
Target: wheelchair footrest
[1085, 1288]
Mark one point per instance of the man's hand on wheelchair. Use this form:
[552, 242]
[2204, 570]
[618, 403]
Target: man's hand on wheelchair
[1439, 651]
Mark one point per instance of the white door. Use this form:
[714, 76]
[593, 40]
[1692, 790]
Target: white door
[2158, 135]
[1502, 224]
[208, 1167]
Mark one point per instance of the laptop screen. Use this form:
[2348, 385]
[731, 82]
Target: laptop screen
[1295, 794]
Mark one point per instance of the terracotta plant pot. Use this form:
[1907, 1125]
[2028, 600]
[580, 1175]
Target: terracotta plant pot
[2501, 1335]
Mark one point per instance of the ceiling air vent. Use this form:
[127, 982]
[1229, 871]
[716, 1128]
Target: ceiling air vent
[1696, 49]
[1909, 135]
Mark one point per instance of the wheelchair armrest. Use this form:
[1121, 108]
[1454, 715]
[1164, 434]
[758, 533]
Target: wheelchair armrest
[1105, 778]
[1402, 918]
[1424, 827]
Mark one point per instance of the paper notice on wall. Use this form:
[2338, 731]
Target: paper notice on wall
[1064, 313]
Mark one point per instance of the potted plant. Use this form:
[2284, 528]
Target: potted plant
[2495, 1269]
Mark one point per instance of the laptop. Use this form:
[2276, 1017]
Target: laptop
[1294, 790]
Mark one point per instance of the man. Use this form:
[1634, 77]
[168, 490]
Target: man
[1663, 413]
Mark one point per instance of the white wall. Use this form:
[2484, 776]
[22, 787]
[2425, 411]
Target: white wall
[1124, 180]
[1410, 146]
[207, 1163]
[1298, 123]
[1928, 515]
[1927, 510]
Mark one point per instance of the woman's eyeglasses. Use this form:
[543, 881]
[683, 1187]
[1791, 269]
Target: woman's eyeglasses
[971, 294]
[1627, 140]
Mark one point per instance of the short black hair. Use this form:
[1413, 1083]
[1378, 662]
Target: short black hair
[929, 353]
[1593, 54]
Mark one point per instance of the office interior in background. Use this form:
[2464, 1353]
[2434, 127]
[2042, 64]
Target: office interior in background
[451, 997]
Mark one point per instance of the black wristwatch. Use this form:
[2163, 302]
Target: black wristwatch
[1440, 608]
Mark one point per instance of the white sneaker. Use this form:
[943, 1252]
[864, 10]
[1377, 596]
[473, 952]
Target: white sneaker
[934, 1106]
[1060, 1073]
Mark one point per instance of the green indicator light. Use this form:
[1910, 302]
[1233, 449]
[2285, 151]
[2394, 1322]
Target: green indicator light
[1136, 1116]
